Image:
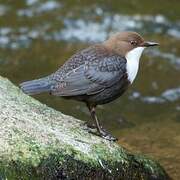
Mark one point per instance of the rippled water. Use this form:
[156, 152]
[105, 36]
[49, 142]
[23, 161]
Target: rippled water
[36, 37]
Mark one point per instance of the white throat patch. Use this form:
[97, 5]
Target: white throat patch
[133, 57]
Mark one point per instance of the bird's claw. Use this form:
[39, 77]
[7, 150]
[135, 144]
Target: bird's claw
[91, 128]
[102, 133]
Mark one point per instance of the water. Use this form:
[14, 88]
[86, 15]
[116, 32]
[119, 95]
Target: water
[36, 37]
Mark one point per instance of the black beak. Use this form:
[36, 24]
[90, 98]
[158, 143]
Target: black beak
[148, 44]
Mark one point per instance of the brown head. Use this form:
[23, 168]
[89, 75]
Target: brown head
[124, 42]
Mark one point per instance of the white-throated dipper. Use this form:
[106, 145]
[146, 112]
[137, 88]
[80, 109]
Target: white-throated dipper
[96, 75]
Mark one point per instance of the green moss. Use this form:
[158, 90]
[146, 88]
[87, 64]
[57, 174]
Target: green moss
[38, 142]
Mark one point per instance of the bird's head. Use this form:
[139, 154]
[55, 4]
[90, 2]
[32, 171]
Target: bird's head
[128, 42]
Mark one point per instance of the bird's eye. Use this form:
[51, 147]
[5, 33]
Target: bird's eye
[134, 43]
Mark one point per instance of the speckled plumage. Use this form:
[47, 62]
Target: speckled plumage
[96, 75]
[90, 74]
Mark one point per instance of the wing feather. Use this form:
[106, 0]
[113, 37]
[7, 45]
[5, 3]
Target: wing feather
[97, 71]
[76, 83]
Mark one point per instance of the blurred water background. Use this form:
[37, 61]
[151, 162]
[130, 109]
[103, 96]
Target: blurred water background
[37, 36]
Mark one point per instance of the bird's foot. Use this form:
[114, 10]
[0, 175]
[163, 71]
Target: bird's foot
[102, 133]
[89, 125]
[106, 135]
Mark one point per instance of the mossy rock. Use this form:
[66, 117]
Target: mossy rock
[38, 142]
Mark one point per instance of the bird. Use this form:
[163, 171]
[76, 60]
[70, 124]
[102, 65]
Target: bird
[95, 75]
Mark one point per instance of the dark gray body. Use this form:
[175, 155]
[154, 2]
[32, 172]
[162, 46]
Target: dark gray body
[105, 96]
[95, 75]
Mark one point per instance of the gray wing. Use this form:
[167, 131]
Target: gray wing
[98, 70]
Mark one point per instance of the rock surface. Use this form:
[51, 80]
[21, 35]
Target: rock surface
[38, 142]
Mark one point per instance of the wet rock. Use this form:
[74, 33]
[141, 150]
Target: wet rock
[38, 142]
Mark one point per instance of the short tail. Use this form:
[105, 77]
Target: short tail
[36, 86]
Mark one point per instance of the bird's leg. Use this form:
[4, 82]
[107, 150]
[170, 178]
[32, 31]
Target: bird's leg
[94, 117]
[89, 123]
[100, 132]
